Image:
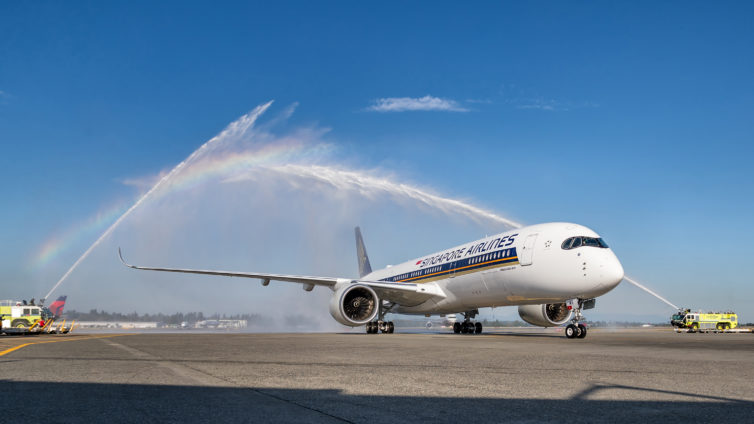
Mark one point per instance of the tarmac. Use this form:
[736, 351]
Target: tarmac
[504, 376]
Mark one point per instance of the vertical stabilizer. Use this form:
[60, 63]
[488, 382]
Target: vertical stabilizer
[57, 306]
[361, 253]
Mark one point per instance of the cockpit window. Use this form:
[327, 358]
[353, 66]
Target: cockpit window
[589, 241]
[574, 242]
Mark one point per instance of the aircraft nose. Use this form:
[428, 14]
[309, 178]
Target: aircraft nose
[612, 273]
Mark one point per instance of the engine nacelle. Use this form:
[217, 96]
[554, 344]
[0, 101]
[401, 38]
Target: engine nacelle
[547, 315]
[354, 305]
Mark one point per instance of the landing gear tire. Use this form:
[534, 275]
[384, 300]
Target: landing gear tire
[577, 330]
[375, 327]
[571, 331]
[582, 331]
[467, 327]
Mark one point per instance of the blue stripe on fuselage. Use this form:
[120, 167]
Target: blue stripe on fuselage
[474, 263]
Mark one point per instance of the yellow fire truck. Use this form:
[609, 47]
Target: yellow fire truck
[698, 321]
[16, 316]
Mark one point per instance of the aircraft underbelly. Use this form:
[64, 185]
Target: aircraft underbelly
[496, 287]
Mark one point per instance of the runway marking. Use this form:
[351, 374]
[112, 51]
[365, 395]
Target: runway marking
[15, 348]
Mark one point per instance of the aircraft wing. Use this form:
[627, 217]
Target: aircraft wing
[408, 294]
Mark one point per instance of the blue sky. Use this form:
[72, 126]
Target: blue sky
[633, 119]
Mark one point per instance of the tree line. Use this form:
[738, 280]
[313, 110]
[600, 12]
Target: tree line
[176, 318]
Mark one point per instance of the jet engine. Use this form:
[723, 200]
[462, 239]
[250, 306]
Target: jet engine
[354, 305]
[547, 315]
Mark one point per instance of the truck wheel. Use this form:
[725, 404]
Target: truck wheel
[694, 328]
[20, 323]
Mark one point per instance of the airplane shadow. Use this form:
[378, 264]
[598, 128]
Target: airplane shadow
[25, 402]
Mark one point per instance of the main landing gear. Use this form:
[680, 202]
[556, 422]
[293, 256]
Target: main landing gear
[380, 325]
[468, 326]
[375, 327]
[576, 329]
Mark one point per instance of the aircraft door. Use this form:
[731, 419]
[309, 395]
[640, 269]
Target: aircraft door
[527, 251]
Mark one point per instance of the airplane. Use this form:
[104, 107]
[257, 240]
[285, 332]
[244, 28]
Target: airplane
[57, 306]
[551, 271]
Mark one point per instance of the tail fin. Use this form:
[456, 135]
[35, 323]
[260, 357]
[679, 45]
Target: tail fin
[361, 252]
[57, 306]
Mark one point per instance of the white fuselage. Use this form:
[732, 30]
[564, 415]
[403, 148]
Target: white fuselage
[519, 267]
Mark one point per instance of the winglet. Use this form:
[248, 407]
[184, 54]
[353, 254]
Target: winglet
[120, 255]
[361, 252]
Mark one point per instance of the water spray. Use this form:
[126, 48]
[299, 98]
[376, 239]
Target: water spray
[370, 186]
[235, 129]
[634, 282]
[265, 159]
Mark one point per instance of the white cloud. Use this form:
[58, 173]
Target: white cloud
[426, 103]
[551, 104]
[479, 101]
[541, 104]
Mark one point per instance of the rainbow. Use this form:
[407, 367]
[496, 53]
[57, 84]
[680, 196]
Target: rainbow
[220, 159]
[53, 246]
[234, 163]
[196, 174]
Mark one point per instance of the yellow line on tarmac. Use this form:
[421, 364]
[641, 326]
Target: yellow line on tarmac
[7, 351]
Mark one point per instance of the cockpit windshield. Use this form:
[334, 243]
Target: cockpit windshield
[574, 242]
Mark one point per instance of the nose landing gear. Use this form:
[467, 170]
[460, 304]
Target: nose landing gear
[576, 329]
